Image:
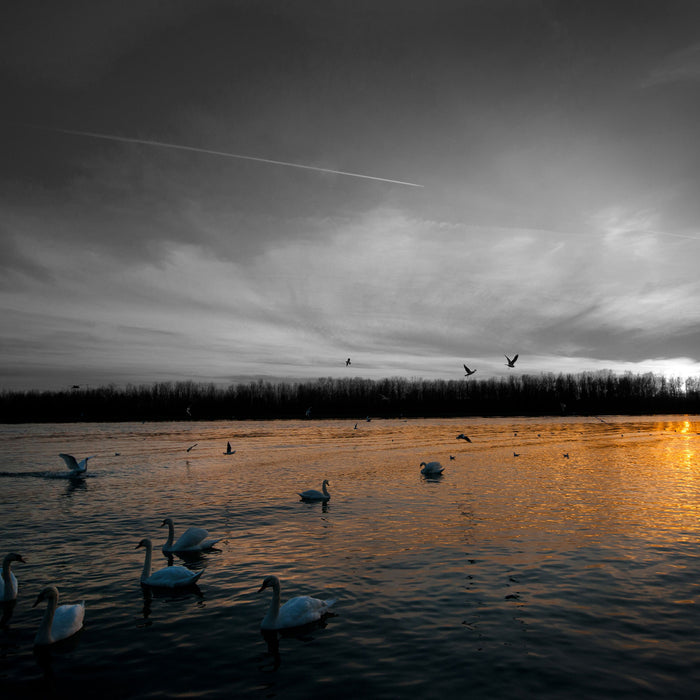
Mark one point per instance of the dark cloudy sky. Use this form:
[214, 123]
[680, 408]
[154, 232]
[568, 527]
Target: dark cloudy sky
[556, 142]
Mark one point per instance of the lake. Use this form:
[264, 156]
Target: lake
[539, 575]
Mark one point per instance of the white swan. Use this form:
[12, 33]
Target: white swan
[313, 495]
[60, 621]
[73, 464]
[194, 539]
[167, 577]
[431, 468]
[8, 582]
[295, 612]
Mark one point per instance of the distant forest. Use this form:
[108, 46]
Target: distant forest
[587, 393]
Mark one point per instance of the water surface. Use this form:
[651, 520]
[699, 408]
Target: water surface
[537, 575]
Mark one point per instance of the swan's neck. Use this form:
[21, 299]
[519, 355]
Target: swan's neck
[147, 562]
[171, 536]
[274, 610]
[8, 588]
[6, 564]
[325, 490]
[43, 636]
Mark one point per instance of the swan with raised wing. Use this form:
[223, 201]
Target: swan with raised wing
[72, 463]
[60, 621]
[8, 582]
[296, 612]
[168, 576]
[194, 539]
[313, 495]
[431, 468]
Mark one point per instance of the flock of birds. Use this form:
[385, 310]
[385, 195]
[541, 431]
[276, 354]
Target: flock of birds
[62, 622]
[510, 362]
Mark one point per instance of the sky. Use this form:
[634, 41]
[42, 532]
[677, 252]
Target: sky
[481, 178]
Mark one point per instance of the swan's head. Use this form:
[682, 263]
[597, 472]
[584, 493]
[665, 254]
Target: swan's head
[326, 482]
[13, 556]
[423, 464]
[144, 543]
[269, 581]
[166, 521]
[48, 593]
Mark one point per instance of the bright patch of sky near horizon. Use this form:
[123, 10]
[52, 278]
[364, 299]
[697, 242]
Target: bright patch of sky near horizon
[556, 142]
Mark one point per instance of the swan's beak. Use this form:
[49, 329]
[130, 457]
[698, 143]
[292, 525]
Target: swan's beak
[138, 545]
[38, 600]
[262, 588]
[162, 524]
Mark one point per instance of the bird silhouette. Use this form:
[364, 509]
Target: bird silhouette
[511, 363]
[347, 362]
[191, 447]
[468, 371]
[462, 436]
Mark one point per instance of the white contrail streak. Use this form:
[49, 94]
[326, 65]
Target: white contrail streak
[223, 154]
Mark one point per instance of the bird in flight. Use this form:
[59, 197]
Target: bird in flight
[192, 446]
[462, 436]
[511, 363]
[468, 371]
[229, 451]
[347, 362]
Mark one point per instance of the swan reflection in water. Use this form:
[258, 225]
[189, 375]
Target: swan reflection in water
[75, 484]
[304, 634]
[7, 607]
[168, 595]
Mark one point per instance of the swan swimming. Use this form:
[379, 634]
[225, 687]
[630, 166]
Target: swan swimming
[296, 612]
[73, 464]
[431, 468]
[313, 495]
[60, 621]
[167, 577]
[194, 539]
[8, 582]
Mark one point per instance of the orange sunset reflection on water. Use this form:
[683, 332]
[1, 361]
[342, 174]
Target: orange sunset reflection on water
[541, 537]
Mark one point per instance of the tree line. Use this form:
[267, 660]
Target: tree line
[586, 393]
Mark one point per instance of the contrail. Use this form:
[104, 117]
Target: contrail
[223, 154]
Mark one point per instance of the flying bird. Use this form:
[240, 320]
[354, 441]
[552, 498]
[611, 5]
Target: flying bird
[468, 371]
[347, 362]
[229, 451]
[191, 447]
[511, 363]
[462, 436]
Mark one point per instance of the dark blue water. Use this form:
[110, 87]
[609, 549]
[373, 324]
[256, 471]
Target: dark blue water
[509, 577]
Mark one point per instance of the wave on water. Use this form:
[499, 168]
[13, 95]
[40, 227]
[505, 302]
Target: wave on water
[46, 475]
